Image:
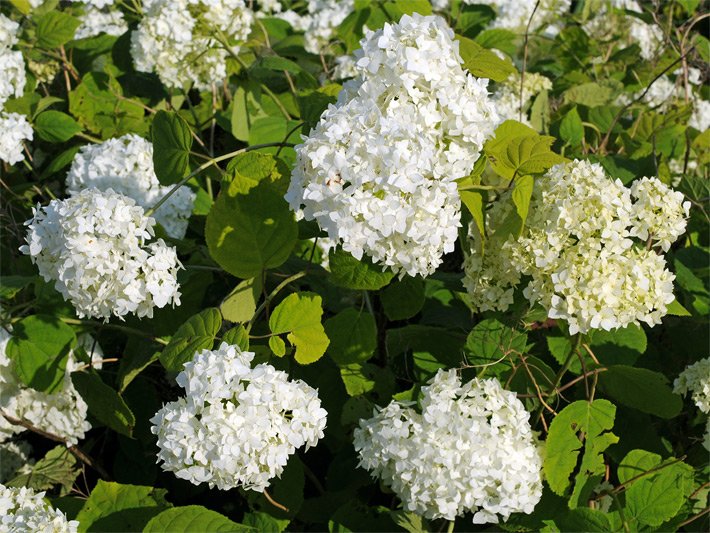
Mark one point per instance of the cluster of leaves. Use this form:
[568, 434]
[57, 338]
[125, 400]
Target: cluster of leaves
[253, 278]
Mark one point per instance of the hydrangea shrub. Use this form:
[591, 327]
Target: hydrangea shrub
[354, 265]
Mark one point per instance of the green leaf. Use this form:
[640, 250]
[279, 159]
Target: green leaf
[571, 127]
[540, 112]
[11, 285]
[640, 389]
[237, 337]
[490, 343]
[39, 348]
[403, 299]
[660, 487]
[240, 304]
[191, 518]
[299, 315]
[351, 273]
[248, 233]
[407, 7]
[99, 106]
[585, 519]
[57, 467]
[56, 127]
[621, 346]
[498, 38]
[363, 378]
[522, 193]
[55, 29]
[131, 366]
[590, 94]
[593, 421]
[116, 507]
[278, 346]
[353, 336]
[198, 333]
[104, 402]
[250, 168]
[172, 143]
[517, 150]
[474, 203]
[676, 309]
[483, 63]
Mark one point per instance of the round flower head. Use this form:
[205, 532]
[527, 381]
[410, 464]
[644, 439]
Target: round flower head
[611, 22]
[8, 32]
[22, 509]
[507, 97]
[97, 21]
[695, 380]
[176, 39]
[62, 413]
[236, 426]
[378, 171]
[470, 450]
[12, 74]
[579, 251]
[14, 129]
[125, 165]
[93, 246]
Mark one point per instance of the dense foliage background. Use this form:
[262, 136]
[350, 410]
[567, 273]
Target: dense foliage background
[253, 275]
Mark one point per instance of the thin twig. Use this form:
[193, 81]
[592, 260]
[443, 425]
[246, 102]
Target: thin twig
[525, 59]
[274, 502]
[74, 450]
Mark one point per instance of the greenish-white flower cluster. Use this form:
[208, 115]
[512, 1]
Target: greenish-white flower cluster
[588, 248]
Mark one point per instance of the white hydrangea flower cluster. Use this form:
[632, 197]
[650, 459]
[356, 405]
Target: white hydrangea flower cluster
[97, 20]
[125, 165]
[700, 119]
[93, 246]
[237, 425]
[378, 171]
[514, 14]
[695, 379]
[180, 39]
[470, 449]
[14, 459]
[611, 22]
[319, 23]
[14, 129]
[8, 32]
[12, 64]
[507, 95]
[578, 249]
[23, 509]
[62, 413]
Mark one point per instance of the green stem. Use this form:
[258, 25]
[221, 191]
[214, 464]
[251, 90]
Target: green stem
[558, 378]
[208, 164]
[450, 528]
[125, 329]
[88, 137]
[483, 188]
